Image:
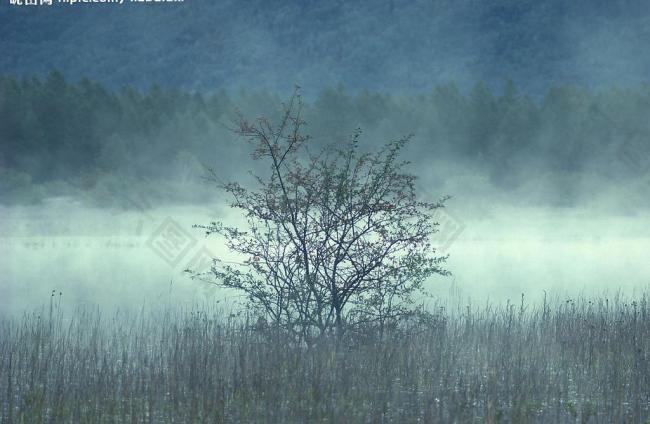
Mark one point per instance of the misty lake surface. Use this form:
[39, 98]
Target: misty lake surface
[114, 258]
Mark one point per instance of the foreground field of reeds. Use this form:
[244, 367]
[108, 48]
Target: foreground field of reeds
[576, 360]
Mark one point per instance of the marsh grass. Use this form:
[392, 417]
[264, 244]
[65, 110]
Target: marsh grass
[575, 360]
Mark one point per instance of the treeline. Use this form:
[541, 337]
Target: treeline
[54, 131]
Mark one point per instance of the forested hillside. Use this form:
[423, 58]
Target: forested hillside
[392, 45]
[65, 137]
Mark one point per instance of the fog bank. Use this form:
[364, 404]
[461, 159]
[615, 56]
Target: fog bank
[112, 258]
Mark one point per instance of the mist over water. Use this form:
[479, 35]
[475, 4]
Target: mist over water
[118, 259]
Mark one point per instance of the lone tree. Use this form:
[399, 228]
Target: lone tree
[331, 241]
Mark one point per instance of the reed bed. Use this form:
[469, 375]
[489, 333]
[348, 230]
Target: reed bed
[576, 360]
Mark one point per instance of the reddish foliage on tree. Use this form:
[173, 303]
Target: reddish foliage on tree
[335, 240]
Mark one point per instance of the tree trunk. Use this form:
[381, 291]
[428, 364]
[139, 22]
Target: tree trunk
[340, 328]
